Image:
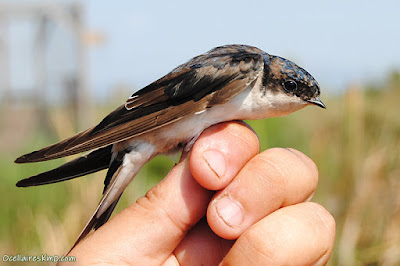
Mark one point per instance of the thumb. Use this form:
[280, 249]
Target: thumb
[148, 231]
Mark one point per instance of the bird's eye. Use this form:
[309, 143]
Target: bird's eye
[289, 85]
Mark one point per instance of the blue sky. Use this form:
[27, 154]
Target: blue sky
[338, 42]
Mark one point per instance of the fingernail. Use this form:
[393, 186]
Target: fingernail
[230, 211]
[216, 162]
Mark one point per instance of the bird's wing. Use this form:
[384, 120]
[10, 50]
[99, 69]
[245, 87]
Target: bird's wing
[209, 79]
[86, 164]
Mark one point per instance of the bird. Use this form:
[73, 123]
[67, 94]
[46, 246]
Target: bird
[230, 82]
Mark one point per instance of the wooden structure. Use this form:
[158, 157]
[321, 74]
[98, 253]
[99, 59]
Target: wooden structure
[47, 17]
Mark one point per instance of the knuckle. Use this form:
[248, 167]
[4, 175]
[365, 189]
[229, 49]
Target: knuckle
[310, 165]
[254, 244]
[287, 173]
[153, 203]
[323, 218]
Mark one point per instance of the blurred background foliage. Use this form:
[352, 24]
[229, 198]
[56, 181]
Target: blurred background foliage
[355, 142]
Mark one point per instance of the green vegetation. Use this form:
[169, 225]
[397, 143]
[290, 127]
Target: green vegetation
[355, 143]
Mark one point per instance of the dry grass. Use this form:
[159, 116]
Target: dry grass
[355, 143]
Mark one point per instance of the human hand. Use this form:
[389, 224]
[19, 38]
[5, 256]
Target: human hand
[260, 213]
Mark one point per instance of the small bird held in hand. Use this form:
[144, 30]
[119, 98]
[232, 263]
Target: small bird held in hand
[232, 82]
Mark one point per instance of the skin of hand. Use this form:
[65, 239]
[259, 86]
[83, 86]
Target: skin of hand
[257, 208]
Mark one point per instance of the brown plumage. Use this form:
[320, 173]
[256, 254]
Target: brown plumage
[166, 100]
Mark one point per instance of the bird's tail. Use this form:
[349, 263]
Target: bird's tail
[86, 164]
[123, 168]
[95, 222]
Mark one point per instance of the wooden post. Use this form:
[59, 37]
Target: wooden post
[69, 16]
[4, 61]
[41, 84]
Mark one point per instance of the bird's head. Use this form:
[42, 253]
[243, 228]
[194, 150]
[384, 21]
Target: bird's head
[290, 86]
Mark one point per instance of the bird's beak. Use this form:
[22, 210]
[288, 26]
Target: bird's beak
[317, 101]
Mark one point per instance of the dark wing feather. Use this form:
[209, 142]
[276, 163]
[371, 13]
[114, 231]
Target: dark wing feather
[95, 161]
[206, 80]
